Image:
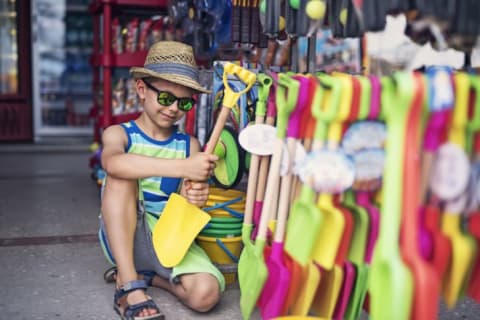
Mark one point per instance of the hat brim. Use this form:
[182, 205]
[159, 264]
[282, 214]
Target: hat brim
[140, 73]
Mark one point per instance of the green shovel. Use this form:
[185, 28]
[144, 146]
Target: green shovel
[390, 280]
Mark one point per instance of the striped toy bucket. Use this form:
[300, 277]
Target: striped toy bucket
[222, 251]
[223, 203]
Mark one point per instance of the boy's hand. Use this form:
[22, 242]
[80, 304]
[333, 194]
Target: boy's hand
[195, 192]
[200, 166]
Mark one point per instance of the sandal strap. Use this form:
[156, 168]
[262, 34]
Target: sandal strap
[148, 276]
[132, 310]
[129, 287]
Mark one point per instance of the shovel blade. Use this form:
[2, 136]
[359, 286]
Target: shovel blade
[310, 281]
[278, 282]
[176, 229]
[252, 274]
[390, 287]
[327, 292]
[295, 283]
[302, 231]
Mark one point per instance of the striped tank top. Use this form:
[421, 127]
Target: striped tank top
[156, 190]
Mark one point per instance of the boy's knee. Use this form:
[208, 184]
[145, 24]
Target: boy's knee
[121, 184]
[120, 189]
[118, 193]
[205, 296]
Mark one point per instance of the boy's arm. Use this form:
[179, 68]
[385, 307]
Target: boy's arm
[123, 165]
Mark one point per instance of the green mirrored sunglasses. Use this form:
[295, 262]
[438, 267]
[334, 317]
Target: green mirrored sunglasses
[166, 98]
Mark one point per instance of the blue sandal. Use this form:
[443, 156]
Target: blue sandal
[110, 275]
[131, 311]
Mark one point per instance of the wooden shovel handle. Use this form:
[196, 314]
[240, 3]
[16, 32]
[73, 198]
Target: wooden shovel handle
[217, 129]
[263, 171]
[271, 189]
[427, 162]
[252, 182]
[285, 196]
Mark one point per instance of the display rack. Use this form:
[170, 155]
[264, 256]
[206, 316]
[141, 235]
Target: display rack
[104, 60]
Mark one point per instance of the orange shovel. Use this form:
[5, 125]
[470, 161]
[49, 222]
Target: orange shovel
[426, 281]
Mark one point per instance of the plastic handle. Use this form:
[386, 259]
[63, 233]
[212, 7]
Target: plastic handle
[271, 104]
[285, 102]
[474, 123]
[375, 98]
[326, 104]
[296, 116]
[265, 82]
[247, 77]
[433, 131]
[460, 113]
[365, 97]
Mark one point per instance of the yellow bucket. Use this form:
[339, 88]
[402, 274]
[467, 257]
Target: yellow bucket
[225, 203]
[218, 194]
[222, 251]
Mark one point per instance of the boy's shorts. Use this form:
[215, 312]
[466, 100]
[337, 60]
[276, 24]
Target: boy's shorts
[195, 260]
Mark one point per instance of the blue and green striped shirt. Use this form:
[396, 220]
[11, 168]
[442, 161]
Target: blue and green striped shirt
[156, 190]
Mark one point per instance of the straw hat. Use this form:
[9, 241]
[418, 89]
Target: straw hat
[171, 61]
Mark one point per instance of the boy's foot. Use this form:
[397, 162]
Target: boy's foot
[132, 302]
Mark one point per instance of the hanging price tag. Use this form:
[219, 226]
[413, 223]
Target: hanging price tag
[369, 165]
[300, 155]
[258, 139]
[327, 171]
[450, 172]
[364, 135]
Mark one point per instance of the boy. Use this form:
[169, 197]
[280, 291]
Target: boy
[145, 161]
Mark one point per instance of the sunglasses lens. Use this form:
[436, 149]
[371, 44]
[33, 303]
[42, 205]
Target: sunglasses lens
[166, 98]
[185, 104]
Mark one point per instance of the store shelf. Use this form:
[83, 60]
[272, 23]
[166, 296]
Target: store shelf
[97, 5]
[78, 50]
[10, 56]
[119, 60]
[77, 8]
[8, 14]
[105, 62]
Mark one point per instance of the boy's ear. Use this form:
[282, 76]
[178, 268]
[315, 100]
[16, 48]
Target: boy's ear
[141, 88]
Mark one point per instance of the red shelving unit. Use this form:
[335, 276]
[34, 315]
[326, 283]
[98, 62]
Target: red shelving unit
[104, 60]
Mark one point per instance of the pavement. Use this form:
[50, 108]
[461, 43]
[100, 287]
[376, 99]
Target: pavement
[50, 260]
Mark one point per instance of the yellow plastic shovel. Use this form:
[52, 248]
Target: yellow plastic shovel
[463, 245]
[180, 221]
[333, 225]
[191, 219]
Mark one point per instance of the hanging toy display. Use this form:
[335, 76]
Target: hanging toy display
[205, 24]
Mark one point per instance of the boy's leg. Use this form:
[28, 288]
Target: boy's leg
[199, 291]
[119, 213]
